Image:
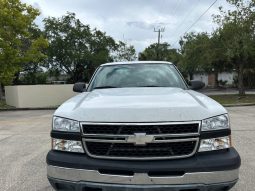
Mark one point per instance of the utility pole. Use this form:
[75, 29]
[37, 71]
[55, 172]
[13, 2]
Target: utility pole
[159, 31]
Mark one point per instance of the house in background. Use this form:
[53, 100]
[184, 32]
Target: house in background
[224, 79]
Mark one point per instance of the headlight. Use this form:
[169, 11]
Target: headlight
[215, 144]
[63, 124]
[67, 145]
[215, 123]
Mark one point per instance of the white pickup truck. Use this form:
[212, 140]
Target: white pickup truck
[139, 126]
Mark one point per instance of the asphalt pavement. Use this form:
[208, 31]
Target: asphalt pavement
[25, 141]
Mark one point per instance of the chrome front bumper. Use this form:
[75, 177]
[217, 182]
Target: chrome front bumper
[199, 178]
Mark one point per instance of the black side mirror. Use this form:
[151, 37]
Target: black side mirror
[79, 87]
[196, 85]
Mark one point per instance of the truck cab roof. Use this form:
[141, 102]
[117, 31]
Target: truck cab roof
[136, 62]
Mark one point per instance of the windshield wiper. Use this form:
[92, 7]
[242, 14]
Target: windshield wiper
[151, 86]
[104, 87]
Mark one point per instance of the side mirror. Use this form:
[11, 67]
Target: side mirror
[196, 85]
[79, 87]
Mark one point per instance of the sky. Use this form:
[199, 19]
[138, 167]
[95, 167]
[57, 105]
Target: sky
[133, 21]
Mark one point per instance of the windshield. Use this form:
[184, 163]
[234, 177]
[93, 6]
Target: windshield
[137, 75]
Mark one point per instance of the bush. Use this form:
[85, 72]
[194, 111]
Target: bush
[222, 82]
[34, 78]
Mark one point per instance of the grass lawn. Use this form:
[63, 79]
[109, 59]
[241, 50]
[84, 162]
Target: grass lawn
[234, 99]
[3, 105]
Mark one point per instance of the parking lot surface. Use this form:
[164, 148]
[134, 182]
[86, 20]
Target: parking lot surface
[25, 141]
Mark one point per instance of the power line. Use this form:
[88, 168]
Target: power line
[186, 16]
[201, 16]
[193, 24]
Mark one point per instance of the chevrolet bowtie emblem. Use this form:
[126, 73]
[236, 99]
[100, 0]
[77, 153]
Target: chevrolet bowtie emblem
[140, 139]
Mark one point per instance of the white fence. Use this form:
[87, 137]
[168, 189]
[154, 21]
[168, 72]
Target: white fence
[38, 96]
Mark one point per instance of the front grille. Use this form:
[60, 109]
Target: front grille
[140, 141]
[149, 150]
[109, 129]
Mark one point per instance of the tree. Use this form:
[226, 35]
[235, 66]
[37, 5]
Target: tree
[15, 20]
[124, 52]
[195, 57]
[203, 53]
[236, 29]
[31, 69]
[165, 53]
[217, 59]
[75, 49]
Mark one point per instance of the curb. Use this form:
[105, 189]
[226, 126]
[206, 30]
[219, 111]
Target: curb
[239, 105]
[27, 109]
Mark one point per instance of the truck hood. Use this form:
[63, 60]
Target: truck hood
[154, 104]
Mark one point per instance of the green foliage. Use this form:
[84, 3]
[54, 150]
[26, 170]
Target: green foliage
[236, 30]
[3, 105]
[16, 19]
[36, 47]
[162, 52]
[234, 99]
[217, 58]
[30, 78]
[203, 53]
[231, 46]
[76, 49]
[124, 53]
[195, 53]
[223, 82]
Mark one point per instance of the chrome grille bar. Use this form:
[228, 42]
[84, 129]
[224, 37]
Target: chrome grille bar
[141, 141]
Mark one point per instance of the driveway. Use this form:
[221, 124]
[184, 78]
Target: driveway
[25, 141]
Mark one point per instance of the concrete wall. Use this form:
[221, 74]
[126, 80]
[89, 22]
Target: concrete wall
[229, 77]
[224, 76]
[38, 96]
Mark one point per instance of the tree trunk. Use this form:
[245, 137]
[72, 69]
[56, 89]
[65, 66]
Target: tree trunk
[1, 92]
[240, 80]
[216, 84]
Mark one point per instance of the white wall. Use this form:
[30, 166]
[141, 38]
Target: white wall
[229, 77]
[38, 96]
[224, 76]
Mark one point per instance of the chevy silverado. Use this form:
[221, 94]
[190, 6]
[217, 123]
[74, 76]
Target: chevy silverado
[139, 126]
